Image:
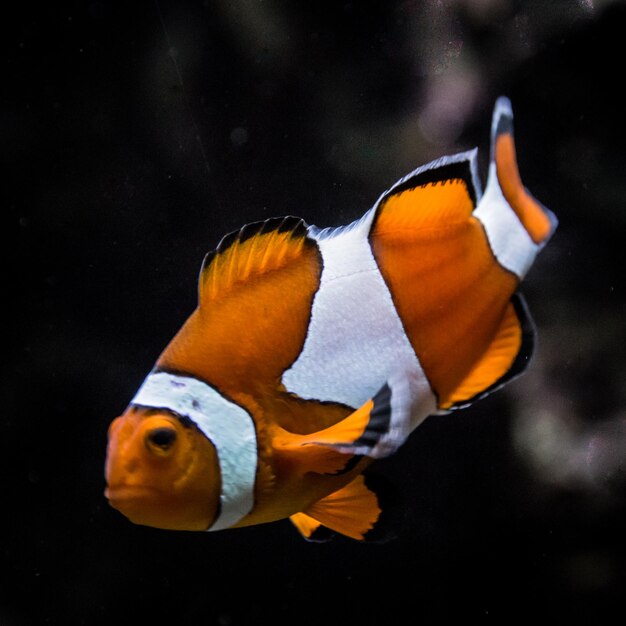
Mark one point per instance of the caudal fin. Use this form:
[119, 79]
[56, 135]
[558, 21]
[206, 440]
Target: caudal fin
[538, 221]
[517, 224]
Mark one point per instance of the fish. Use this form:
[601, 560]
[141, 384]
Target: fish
[315, 352]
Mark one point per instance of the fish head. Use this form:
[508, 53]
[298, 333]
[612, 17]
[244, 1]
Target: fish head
[161, 471]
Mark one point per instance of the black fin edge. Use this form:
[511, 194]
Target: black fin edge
[322, 534]
[521, 361]
[288, 223]
[389, 524]
[453, 170]
[351, 463]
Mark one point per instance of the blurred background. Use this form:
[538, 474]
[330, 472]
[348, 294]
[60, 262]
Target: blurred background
[134, 135]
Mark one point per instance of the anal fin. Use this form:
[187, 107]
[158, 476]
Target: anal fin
[310, 528]
[351, 511]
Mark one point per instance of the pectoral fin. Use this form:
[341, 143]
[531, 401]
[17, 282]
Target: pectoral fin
[326, 451]
[376, 429]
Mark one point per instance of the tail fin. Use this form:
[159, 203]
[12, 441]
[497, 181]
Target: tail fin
[538, 221]
[517, 224]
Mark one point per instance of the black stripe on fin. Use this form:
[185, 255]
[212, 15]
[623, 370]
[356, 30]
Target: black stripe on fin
[523, 357]
[504, 125]
[502, 122]
[380, 418]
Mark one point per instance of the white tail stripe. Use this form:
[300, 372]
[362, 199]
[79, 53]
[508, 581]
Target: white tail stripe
[509, 240]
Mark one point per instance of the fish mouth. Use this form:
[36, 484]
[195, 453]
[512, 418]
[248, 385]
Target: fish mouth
[118, 495]
[149, 506]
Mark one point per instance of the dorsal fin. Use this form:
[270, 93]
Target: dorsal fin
[438, 193]
[255, 249]
[255, 293]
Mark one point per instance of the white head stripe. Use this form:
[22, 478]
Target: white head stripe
[229, 427]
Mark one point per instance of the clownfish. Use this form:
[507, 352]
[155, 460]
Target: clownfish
[314, 352]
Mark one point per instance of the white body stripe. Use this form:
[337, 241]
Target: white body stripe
[510, 242]
[229, 427]
[355, 339]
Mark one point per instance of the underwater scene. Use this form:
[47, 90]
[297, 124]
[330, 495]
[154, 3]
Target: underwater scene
[321, 315]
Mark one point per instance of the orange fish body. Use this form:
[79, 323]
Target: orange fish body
[314, 352]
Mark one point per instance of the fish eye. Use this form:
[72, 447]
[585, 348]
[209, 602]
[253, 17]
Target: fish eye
[160, 440]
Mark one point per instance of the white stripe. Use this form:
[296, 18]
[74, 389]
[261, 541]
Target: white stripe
[229, 428]
[355, 339]
[510, 242]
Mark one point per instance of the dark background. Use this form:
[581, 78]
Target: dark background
[134, 135]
